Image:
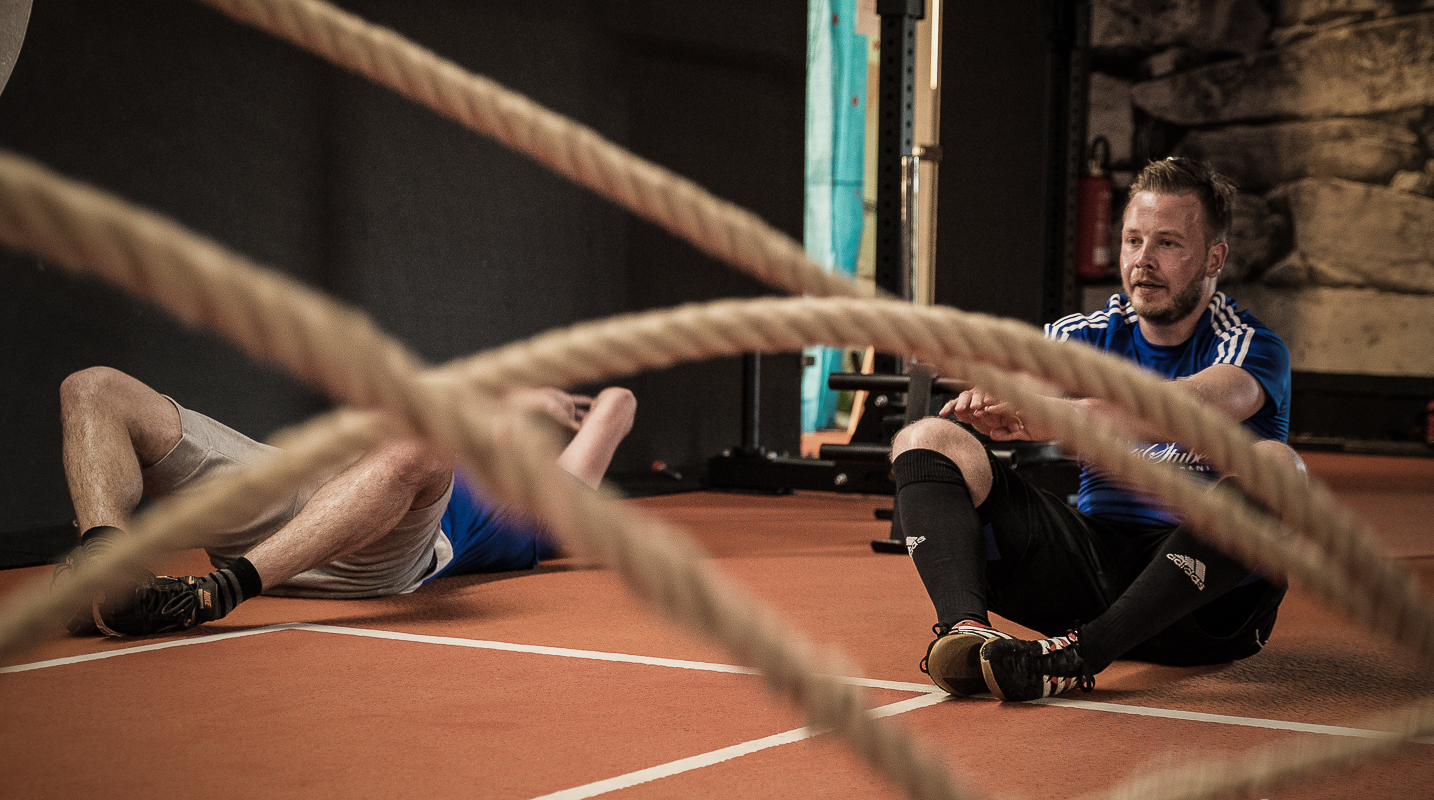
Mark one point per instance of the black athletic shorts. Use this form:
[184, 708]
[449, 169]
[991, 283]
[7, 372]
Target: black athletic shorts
[1051, 567]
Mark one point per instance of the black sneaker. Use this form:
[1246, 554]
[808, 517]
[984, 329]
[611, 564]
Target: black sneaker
[161, 605]
[1017, 670]
[78, 560]
[953, 660]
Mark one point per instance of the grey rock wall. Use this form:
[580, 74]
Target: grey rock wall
[1260, 157]
[1322, 112]
[1352, 70]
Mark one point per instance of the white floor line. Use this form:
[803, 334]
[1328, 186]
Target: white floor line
[920, 688]
[1219, 719]
[595, 655]
[725, 754]
[146, 648]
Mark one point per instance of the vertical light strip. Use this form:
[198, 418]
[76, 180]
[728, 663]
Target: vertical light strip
[935, 45]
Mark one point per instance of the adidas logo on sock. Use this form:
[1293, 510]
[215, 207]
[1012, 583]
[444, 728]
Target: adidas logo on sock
[912, 542]
[1193, 567]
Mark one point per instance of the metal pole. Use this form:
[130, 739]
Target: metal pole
[910, 201]
[896, 115]
[896, 119]
[752, 403]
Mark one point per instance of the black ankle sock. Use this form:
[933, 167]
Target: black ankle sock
[231, 586]
[943, 533]
[1186, 574]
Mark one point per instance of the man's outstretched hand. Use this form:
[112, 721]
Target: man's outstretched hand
[983, 412]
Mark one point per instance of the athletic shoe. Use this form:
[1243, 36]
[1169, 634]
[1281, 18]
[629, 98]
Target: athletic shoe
[161, 605]
[953, 659]
[78, 560]
[1017, 670]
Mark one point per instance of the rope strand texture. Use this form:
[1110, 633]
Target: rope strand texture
[298, 334]
[1261, 769]
[595, 523]
[48, 215]
[680, 206]
[1366, 582]
[719, 228]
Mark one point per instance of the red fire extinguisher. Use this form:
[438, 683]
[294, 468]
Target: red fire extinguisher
[1093, 256]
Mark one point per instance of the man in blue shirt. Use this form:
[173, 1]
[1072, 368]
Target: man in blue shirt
[1119, 567]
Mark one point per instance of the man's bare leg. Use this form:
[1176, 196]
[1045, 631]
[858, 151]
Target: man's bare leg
[354, 509]
[366, 501]
[112, 427]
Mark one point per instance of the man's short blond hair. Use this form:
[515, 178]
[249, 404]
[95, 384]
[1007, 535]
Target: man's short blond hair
[1176, 175]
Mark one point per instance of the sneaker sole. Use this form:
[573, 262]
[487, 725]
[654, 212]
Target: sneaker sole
[954, 664]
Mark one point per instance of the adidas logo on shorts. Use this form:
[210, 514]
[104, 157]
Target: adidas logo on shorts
[1193, 567]
[912, 542]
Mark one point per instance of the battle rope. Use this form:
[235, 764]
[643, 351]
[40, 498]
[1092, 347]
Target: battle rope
[145, 253]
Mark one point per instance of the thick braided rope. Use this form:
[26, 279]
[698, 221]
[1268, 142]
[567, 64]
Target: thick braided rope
[38, 610]
[1260, 770]
[654, 578]
[709, 248]
[962, 343]
[722, 229]
[685, 209]
[72, 225]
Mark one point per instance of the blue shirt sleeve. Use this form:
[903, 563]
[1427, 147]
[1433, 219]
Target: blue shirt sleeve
[1265, 357]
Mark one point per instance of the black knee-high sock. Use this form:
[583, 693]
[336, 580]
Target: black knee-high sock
[1185, 575]
[943, 534]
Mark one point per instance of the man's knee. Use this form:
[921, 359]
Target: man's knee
[411, 466]
[103, 396]
[956, 443]
[934, 433]
[90, 388]
[945, 437]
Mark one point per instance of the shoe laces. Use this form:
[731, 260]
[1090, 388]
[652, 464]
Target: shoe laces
[174, 598]
[1068, 668]
[935, 629]
[938, 630]
[61, 569]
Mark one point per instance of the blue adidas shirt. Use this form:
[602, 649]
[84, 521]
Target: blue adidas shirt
[1225, 335]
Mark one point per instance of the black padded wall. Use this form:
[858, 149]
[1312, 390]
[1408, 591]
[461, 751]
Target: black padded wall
[453, 243]
[1003, 237]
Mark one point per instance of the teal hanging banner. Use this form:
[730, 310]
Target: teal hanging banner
[836, 146]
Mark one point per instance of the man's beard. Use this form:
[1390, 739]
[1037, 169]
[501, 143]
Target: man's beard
[1181, 304]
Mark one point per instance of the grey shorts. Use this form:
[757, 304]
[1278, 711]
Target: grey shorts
[394, 563]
